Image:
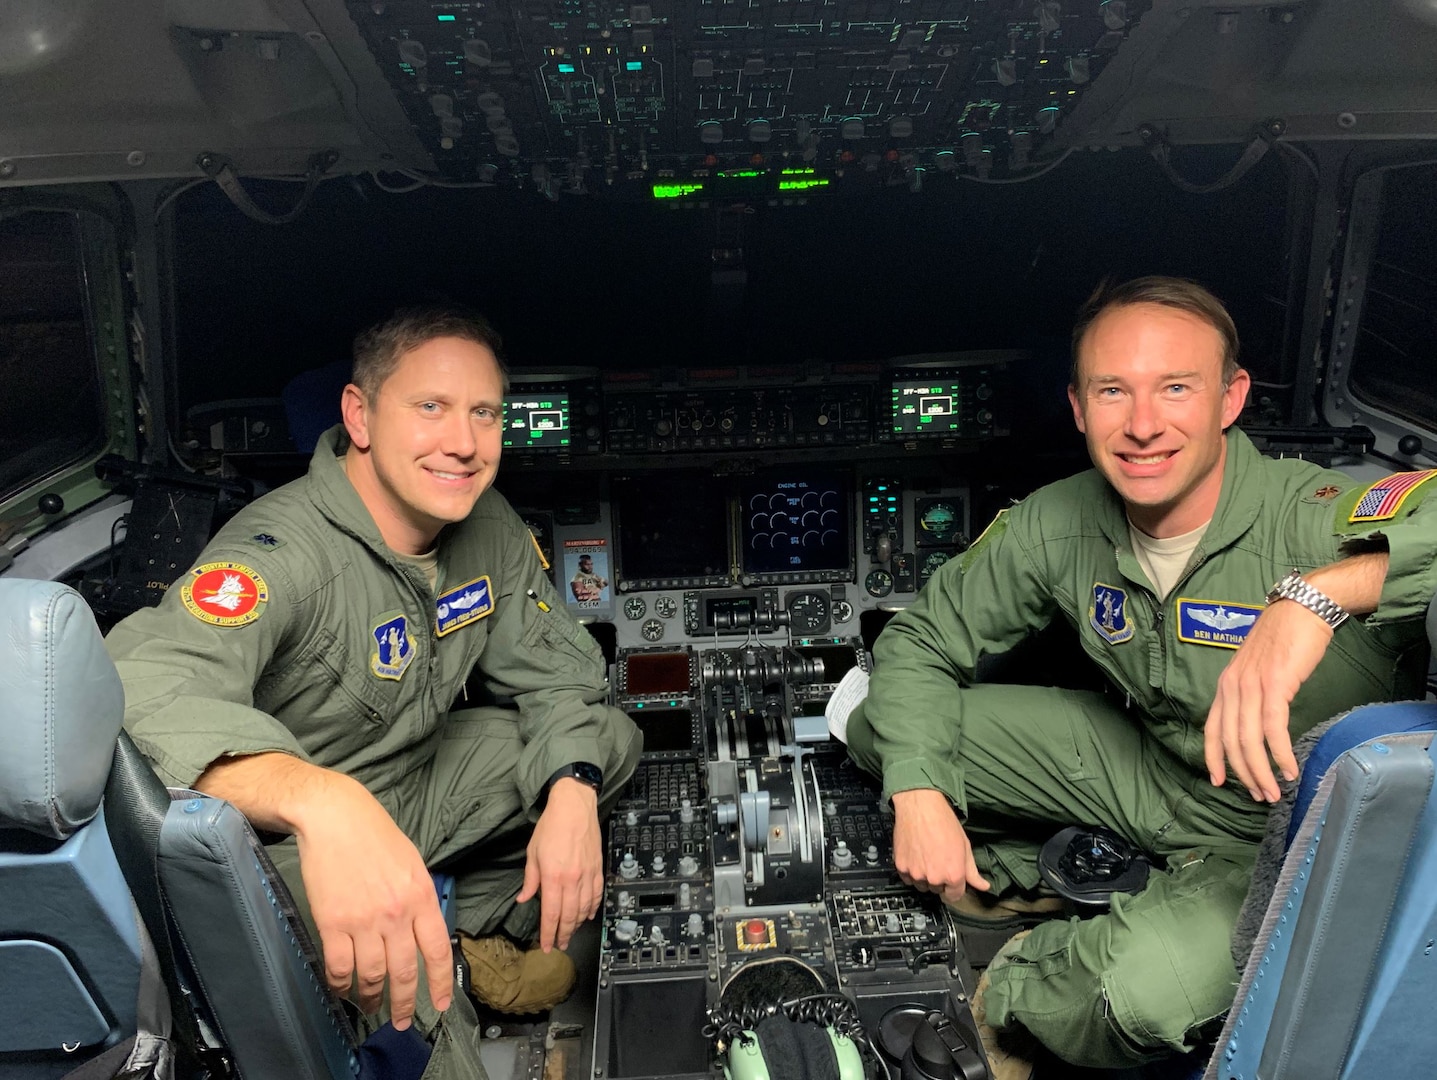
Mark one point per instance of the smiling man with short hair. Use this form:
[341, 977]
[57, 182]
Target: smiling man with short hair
[1210, 586]
[319, 701]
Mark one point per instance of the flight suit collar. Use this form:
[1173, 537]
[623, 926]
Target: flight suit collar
[1238, 504]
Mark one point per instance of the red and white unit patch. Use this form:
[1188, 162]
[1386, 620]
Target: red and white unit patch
[225, 594]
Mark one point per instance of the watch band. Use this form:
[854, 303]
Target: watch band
[582, 771]
[1299, 590]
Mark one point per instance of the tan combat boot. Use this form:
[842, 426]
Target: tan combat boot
[509, 979]
[983, 911]
[1010, 1055]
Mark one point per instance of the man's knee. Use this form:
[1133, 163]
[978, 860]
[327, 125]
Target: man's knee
[860, 742]
[1145, 981]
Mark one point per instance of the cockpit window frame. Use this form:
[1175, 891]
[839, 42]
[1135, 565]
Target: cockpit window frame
[1343, 403]
[101, 219]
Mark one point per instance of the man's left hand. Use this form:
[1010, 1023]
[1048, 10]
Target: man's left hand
[565, 864]
[1248, 718]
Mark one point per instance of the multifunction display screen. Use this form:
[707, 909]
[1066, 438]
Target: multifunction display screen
[671, 527]
[796, 521]
[656, 673]
[927, 406]
[536, 421]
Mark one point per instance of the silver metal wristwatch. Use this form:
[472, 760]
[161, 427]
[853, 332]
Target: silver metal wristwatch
[1296, 588]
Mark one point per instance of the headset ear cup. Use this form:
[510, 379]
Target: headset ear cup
[797, 1050]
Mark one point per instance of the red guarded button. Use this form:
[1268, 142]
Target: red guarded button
[755, 932]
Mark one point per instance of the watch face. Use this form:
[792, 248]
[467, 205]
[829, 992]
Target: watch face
[589, 774]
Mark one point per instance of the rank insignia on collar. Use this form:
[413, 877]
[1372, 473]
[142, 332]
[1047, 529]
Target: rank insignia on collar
[1215, 622]
[394, 647]
[225, 594]
[462, 606]
[1328, 492]
[1109, 613]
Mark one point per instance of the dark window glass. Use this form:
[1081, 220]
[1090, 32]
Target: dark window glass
[50, 398]
[1394, 359]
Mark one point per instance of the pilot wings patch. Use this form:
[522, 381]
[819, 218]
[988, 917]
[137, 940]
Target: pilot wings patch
[1222, 623]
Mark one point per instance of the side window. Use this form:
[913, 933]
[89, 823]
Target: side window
[1394, 349]
[51, 405]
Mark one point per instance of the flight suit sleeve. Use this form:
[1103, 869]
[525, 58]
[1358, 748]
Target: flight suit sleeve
[984, 602]
[1407, 530]
[189, 680]
[554, 671]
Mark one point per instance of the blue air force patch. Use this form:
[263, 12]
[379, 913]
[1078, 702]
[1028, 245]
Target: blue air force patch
[1109, 613]
[394, 648]
[1215, 622]
[462, 606]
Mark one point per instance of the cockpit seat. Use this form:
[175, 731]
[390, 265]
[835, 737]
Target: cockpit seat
[94, 850]
[1342, 971]
[71, 942]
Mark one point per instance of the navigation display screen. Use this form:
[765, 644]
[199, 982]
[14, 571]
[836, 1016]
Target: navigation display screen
[536, 421]
[927, 406]
[796, 521]
[671, 526]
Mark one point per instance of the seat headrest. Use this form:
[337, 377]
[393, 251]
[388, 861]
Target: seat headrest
[61, 707]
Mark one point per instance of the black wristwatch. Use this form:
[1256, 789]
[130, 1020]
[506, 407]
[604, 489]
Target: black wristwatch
[581, 771]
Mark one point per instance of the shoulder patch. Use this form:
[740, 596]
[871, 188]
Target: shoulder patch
[1223, 623]
[995, 529]
[393, 646]
[463, 605]
[225, 594]
[1108, 614]
[1381, 501]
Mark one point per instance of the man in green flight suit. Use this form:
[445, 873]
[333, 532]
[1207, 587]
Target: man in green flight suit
[1212, 587]
[305, 668]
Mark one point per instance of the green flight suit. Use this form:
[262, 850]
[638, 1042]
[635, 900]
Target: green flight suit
[310, 637]
[1019, 762]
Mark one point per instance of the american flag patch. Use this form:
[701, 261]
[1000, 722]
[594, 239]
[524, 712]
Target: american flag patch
[1383, 499]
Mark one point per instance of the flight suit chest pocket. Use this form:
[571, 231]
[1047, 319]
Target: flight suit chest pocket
[324, 697]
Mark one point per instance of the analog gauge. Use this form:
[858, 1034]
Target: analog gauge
[653, 630]
[808, 613]
[842, 611]
[665, 607]
[931, 562]
[878, 583]
[939, 521]
[635, 608]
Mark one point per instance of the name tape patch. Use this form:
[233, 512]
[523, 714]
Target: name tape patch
[225, 594]
[462, 606]
[1221, 623]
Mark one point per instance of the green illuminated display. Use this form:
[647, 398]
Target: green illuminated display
[674, 191]
[803, 185]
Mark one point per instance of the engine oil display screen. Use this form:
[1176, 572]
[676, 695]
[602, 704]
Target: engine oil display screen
[796, 522]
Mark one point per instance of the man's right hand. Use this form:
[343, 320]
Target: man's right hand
[931, 851]
[371, 896]
[374, 904]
